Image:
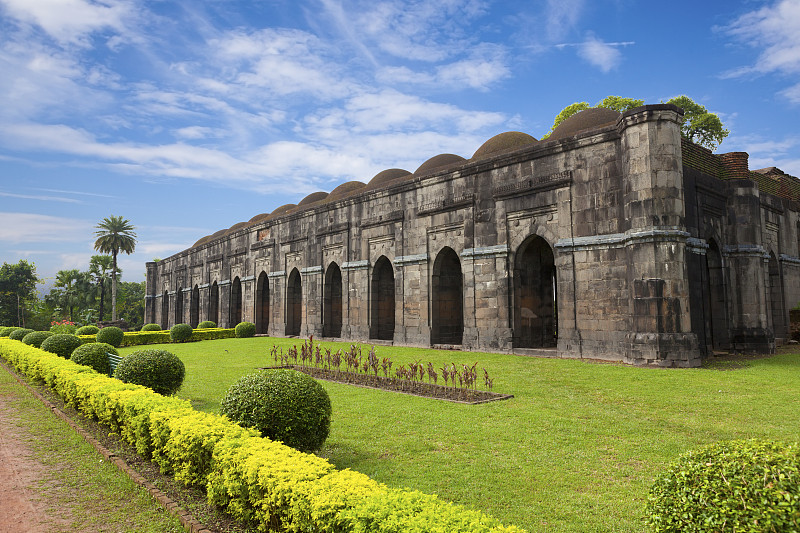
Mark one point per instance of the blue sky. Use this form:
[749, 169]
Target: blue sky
[189, 116]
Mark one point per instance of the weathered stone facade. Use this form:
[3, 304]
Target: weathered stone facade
[613, 239]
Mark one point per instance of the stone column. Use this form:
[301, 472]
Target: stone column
[416, 326]
[355, 299]
[655, 239]
[312, 301]
[150, 292]
[277, 304]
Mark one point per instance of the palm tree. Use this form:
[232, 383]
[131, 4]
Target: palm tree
[114, 235]
[68, 281]
[99, 268]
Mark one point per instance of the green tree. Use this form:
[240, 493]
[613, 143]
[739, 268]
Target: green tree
[17, 292]
[100, 268]
[700, 126]
[617, 103]
[131, 303]
[67, 293]
[114, 235]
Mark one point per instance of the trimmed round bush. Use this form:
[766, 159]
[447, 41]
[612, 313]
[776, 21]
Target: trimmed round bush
[95, 355]
[36, 338]
[284, 405]
[110, 335]
[160, 370]
[62, 344]
[87, 330]
[180, 333]
[19, 333]
[245, 330]
[5, 332]
[151, 327]
[743, 486]
[205, 324]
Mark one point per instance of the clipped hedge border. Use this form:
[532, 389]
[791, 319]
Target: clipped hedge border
[253, 478]
[139, 338]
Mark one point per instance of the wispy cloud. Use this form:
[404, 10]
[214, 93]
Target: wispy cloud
[39, 197]
[32, 228]
[603, 55]
[775, 31]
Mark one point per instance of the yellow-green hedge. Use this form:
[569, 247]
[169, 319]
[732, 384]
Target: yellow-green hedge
[253, 478]
[137, 338]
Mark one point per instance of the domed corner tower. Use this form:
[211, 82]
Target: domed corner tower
[655, 238]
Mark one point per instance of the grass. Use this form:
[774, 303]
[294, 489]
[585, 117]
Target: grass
[576, 449]
[80, 489]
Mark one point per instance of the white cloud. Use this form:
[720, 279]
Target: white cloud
[31, 228]
[562, 16]
[39, 197]
[605, 56]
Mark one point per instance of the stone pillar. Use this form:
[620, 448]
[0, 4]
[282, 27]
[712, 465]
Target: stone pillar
[312, 301]
[655, 239]
[224, 288]
[355, 299]
[277, 304]
[486, 295]
[416, 325]
[150, 292]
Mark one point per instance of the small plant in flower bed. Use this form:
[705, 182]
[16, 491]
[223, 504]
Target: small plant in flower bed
[87, 330]
[63, 326]
[19, 333]
[180, 333]
[205, 324]
[36, 338]
[111, 335]
[151, 327]
[460, 382]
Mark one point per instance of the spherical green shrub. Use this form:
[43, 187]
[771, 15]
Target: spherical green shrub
[245, 330]
[87, 330]
[111, 335]
[180, 333]
[62, 344]
[151, 327]
[284, 405]
[4, 332]
[36, 338]
[160, 370]
[742, 486]
[19, 333]
[95, 355]
[206, 324]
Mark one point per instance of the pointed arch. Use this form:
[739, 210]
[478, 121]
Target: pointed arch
[179, 306]
[213, 303]
[165, 310]
[262, 304]
[535, 295]
[382, 300]
[294, 303]
[717, 305]
[194, 307]
[332, 302]
[776, 298]
[235, 307]
[447, 290]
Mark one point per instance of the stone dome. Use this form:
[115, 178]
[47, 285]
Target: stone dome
[344, 190]
[219, 233]
[385, 176]
[588, 119]
[237, 226]
[258, 218]
[282, 210]
[504, 142]
[202, 241]
[313, 198]
[438, 161]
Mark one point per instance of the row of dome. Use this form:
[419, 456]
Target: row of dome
[509, 141]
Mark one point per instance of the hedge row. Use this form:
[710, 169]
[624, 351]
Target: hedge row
[138, 338]
[253, 478]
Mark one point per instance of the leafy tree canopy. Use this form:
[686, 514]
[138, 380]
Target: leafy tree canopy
[617, 103]
[17, 291]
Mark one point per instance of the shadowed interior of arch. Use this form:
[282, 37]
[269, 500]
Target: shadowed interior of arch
[535, 309]
[382, 300]
[332, 302]
[447, 310]
[294, 304]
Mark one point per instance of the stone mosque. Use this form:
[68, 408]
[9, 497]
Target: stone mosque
[614, 239]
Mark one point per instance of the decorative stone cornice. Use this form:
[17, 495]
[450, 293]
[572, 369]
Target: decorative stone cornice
[619, 240]
[276, 274]
[411, 259]
[752, 250]
[355, 265]
[311, 270]
[500, 249]
[696, 246]
[789, 259]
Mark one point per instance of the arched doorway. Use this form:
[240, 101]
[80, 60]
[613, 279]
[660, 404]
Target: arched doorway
[165, 310]
[194, 307]
[332, 302]
[262, 304]
[776, 298]
[213, 303]
[447, 316]
[294, 303]
[535, 306]
[382, 301]
[179, 306]
[718, 319]
[235, 314]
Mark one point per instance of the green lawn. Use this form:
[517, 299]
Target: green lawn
[576, 449]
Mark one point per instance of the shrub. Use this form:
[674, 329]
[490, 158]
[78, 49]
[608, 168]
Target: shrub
[61, 344]
[206, 324]
[36, 338]
[283, 405]
[245, 330]
[180, 333]
[87, 330]
[95, 355]
[743, 486]
[151, 327]
[111, 335]
[19, 333]
[160, 370]
[4, 332]
[65, 326]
